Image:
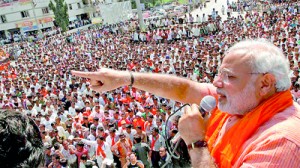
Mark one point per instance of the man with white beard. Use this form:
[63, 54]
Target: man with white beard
[256, 121]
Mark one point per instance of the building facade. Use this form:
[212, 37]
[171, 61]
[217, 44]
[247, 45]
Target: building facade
[21, 16]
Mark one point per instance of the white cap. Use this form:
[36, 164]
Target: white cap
[71, 137]
[139, 114]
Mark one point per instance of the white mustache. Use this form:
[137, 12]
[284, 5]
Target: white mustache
[220, 92]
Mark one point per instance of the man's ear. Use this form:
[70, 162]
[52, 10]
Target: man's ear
[267, 87]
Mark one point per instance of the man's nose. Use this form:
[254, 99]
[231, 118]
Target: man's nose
[218, 82]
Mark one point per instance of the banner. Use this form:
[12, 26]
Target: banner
[32, 23]
[5, 3]
[96, 20]
[46, 20]
[29, 28]
[25, 24]
[115, 12]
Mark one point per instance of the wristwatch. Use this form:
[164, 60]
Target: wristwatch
[197, 144]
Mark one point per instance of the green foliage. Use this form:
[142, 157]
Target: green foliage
[182, 1]
[133, 4]
[150, 3]
[61, 16]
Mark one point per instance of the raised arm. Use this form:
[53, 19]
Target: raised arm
[91, 143]
[167, 86]
[192, 127]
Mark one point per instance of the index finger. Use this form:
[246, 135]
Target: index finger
[187, 110]
[84, 74]
[195, 109]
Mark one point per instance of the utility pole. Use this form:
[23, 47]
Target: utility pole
[33, 4]
[140, 16]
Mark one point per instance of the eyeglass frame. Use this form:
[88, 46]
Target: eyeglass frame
[225, 71]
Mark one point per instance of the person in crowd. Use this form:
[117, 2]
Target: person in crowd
[165, 158]
[63, 163]
[133, 162]
[122, 148]
[65, 151]
[138, 121]
[129, 132]
[102, 149]
[79, 151]
[47, 155]
[112, 139]
[85, 163]
[156, 141]
[142, 134]
[55, 161]
[141, 150]
[21, 144]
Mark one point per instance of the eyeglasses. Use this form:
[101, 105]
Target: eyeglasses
[225, 75]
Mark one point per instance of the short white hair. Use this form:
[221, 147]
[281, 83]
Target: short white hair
[265, 57]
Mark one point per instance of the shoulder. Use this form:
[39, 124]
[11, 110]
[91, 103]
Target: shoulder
[139, 162]
[276, 142]
[285, 124]
[144, 144]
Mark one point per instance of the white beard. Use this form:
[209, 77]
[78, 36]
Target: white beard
[240, 103]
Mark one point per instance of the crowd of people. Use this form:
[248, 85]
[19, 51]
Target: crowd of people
[127, 127]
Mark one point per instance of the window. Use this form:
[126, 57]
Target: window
[24, 14]
[45, 10]
[79, 6]
[3, 18]
[70, 6]
[85, 2]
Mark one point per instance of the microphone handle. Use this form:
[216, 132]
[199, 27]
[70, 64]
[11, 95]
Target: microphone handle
[202, 111]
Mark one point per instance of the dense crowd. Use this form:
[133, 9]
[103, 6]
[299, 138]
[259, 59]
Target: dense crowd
[80, 127]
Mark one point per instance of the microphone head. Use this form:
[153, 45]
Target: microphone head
[208, 103]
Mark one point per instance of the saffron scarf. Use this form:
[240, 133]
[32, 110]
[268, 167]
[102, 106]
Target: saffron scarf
[228, 150]
[112, 140]
[154, 139]
[100, 151]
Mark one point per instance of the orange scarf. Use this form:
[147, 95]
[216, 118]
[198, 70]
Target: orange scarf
[154, 139]
[100, 151]
[228, 150]
[124, 147]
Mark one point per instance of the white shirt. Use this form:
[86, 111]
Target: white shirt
[131, 135]
[71, 158]
[105, 147]
[72, 111]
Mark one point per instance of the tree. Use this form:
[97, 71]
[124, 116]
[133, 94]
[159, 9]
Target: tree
[61, 16]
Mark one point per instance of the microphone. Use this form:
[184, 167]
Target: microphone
[207, 104]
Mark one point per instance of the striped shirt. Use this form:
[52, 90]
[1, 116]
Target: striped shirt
[276, 143]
